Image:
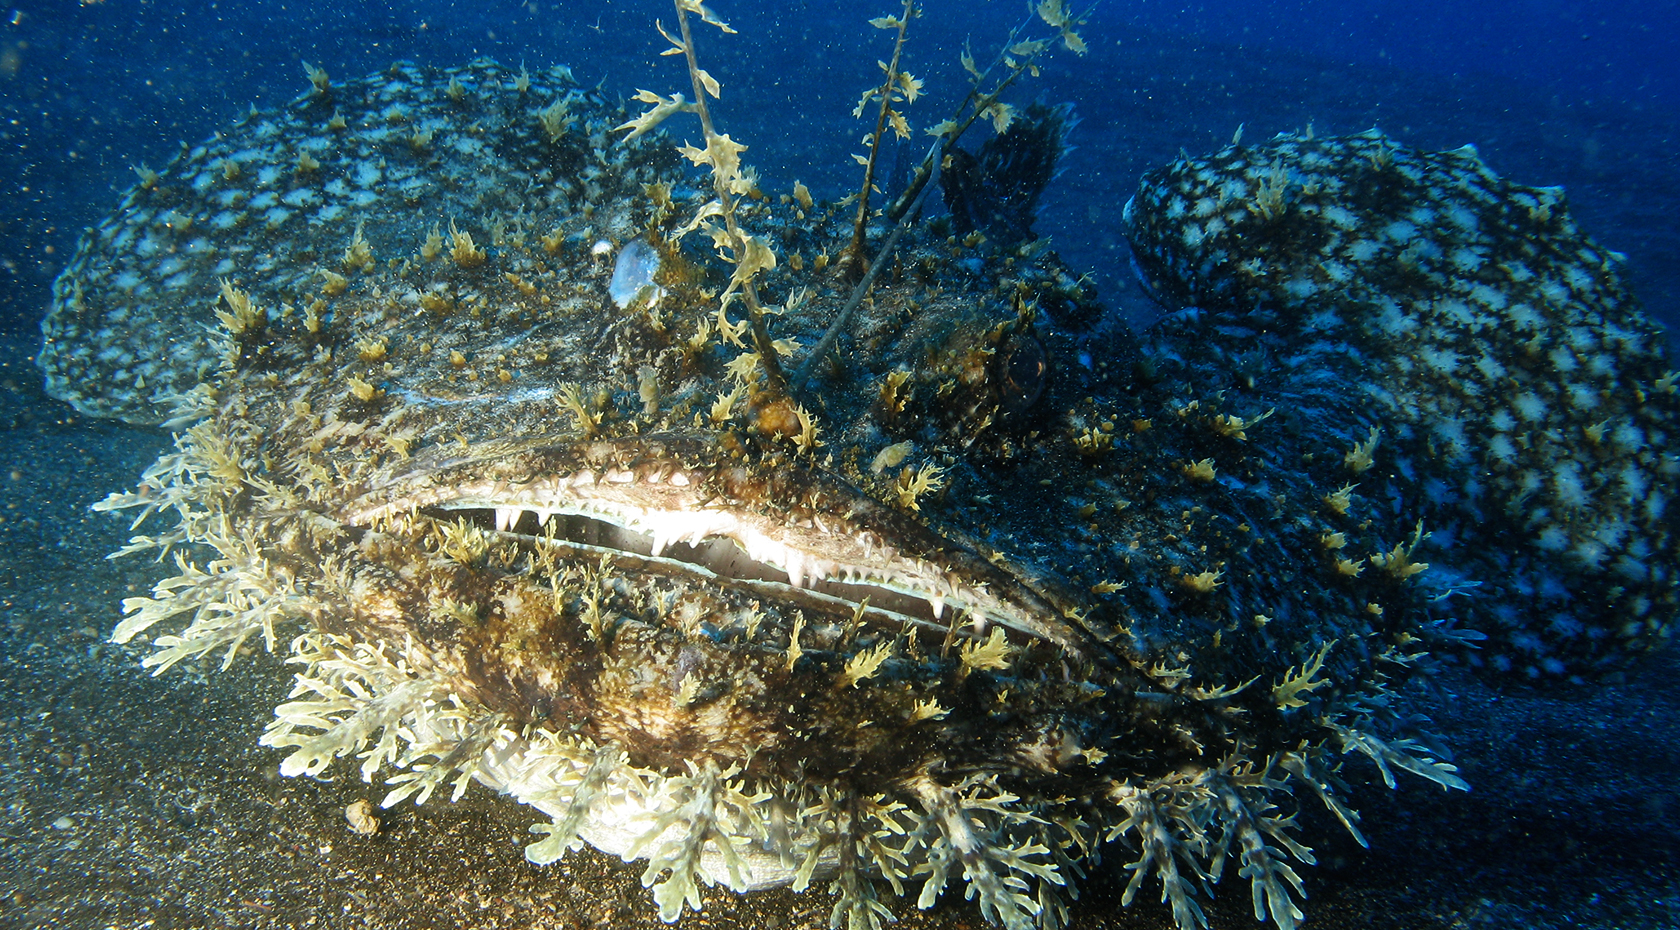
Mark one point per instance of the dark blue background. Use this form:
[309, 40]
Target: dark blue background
[1622, 50]
[1584, 95]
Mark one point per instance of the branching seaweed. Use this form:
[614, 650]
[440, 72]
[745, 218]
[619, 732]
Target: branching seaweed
[562, 834]
[749, 254]
[1165, 820]
[228, 599]
[703, 809]
[357, 694]
[454, 736]
[852, 834]
[1408, 754]
[1187, 824]
[1018, 56]
[1260, 838]
[898, 86]
[979, 827]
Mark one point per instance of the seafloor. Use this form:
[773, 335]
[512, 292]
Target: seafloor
[139, 802]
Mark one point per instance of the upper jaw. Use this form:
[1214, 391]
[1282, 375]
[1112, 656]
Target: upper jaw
[676, 499]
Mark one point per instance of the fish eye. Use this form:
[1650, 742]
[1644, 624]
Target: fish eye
[1023, 367]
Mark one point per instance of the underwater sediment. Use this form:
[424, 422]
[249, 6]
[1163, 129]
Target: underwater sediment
[475, 428]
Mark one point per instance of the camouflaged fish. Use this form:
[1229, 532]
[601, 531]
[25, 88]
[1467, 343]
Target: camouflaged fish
[1524, 398]
[470, 417]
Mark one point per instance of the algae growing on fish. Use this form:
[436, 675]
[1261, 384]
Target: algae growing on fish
[1497, 344]
[956, 610]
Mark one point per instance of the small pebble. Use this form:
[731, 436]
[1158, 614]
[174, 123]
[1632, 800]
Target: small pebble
[362, 817]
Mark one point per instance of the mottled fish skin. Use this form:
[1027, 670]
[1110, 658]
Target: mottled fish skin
[1091, 593]
[1519, 389]
[274, 203]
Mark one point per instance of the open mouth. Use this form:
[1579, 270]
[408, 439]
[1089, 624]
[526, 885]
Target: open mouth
[794, 534]
[720, 557]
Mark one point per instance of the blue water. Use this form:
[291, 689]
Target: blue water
[1617, 51]
[1552, 92]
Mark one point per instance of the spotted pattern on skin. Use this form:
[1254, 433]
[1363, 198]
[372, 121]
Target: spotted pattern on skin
[1501, 350]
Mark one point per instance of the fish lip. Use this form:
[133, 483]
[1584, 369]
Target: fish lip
[791, 515]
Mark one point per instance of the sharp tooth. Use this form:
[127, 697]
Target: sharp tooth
[543, 517]
[937, 602]
[795, 569]
[506, 517]
[659, 543]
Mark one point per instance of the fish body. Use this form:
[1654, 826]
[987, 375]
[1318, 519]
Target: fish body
[986, 600]
[1516, 383]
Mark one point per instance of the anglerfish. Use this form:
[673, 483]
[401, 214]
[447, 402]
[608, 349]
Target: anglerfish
[998, 590]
